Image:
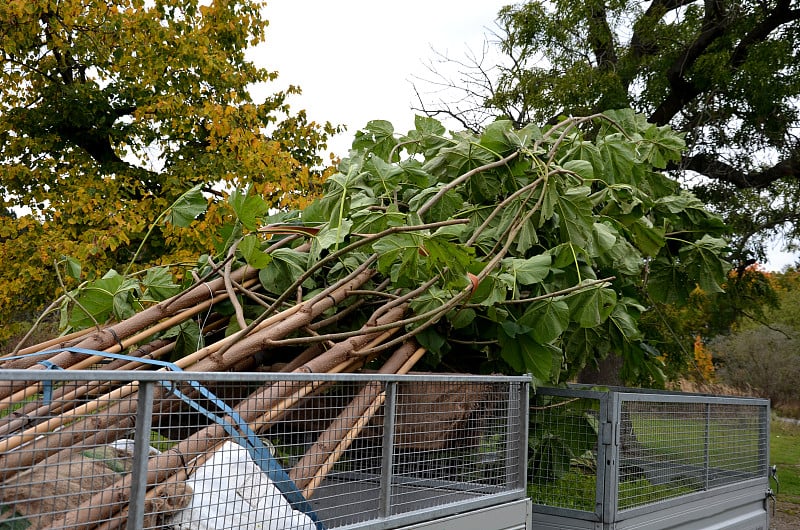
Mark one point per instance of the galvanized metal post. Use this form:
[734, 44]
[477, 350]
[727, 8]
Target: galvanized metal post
[387, 460]
[141, 453]
[764, 421]
[707, 449]
[608, 467]
[517, 418]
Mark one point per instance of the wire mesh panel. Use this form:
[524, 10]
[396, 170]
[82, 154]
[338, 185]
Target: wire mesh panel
[563, 470]
[607, 456]
[669, 449]
[247, 451]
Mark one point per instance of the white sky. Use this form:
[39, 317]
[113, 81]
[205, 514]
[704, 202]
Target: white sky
[355, 60]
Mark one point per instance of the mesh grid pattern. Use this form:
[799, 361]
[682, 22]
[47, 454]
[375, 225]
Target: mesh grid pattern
[611, 451]
[356, 450]
[671, 449]
[563, 452]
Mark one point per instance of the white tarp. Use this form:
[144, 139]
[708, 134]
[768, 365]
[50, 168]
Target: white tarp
[232, 493]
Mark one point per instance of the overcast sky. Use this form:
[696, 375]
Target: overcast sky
[355, 60]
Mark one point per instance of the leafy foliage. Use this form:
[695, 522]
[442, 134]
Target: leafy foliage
[518, 250]
[724, 73]
[749, 296]
[110, 111]
[760, 354]
[762, 360]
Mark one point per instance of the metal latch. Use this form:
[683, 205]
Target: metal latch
[772, 495]
[607, 434]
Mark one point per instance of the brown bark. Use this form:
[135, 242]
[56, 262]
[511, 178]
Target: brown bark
[318, 460]
[110, 336]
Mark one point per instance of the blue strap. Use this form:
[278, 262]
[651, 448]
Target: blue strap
[240, 432]
[47, 386]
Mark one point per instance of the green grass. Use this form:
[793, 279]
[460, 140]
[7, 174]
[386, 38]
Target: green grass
[683, 440]
[576, 490]
[785, 453]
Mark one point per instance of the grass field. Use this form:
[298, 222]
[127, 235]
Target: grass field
[785, 453]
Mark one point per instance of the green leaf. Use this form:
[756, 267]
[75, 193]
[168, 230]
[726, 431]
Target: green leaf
[575, 216]
[188, 339]
[378, 138]
[646, 238]
[283, 270]
[330, 237]
[449, 258]
[484, 187]
[415, 175]
[457, 159]
[582, 168]
[399, 256]
[583, 150]
[73, 267]
[576, 425]
[443, 209]
[667, 282]
[585, 345]
[248, 208]
[626, 259]
[525, 355]
[426, 138]
[528, 271]
[591, 307]
[250, 248]
[527, 237]
[187, 207]
[618, 158]
[462, 318]
[428, 126]
[604, 238]
[490, 291]
[547, 319]
[496, 137]
[549, 200]
[158, 284]
[102, 298]
[661, 145]
[703, 263]
[433, 341]
[386, 175]
[623, 323]
[551, 459]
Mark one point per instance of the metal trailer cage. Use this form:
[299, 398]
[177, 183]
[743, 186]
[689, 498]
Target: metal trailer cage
[625, 458]
[187, 450]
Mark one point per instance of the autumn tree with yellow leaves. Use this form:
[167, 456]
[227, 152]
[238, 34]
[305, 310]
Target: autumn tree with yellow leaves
[109, 112]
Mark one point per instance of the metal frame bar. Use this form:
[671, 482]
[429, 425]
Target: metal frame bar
[387, 451]
[511, 418]
[141, 444]
[131, 375]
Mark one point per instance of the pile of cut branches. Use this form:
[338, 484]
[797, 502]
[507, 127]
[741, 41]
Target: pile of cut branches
[526, 251]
